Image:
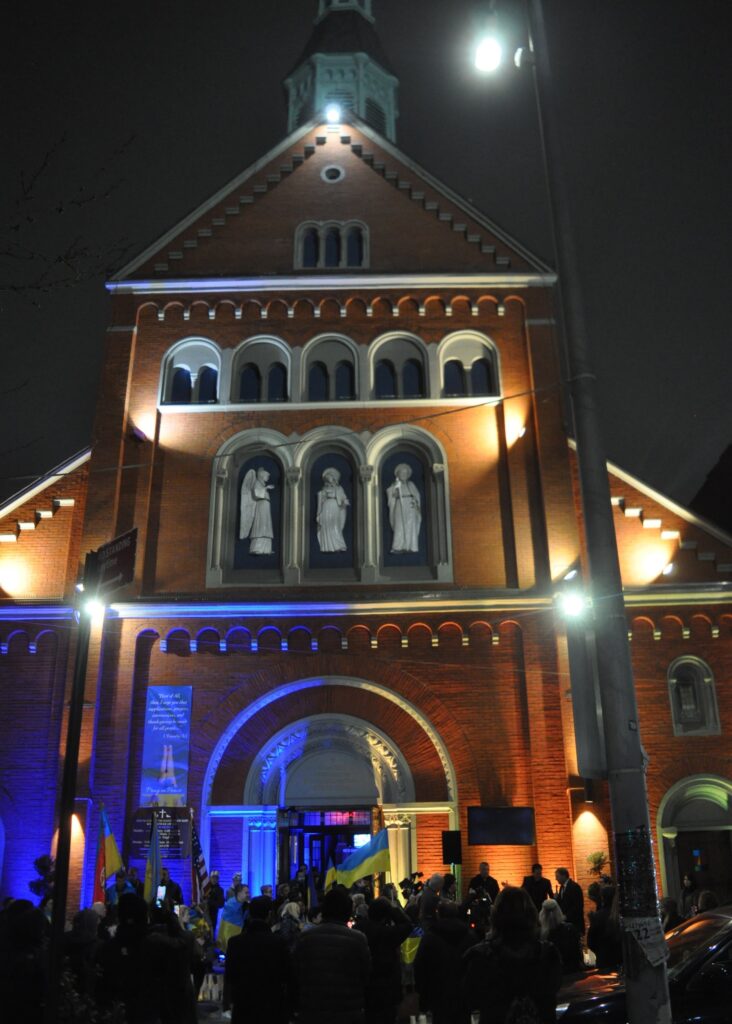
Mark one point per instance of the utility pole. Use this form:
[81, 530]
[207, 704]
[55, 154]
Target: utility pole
[644, 947]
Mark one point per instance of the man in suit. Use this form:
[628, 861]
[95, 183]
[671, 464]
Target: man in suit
[570, 898]
[538, 887]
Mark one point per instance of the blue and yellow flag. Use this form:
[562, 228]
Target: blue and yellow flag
[331, 876]
[154, 866]
[112, 858]
[368, 860]
[231, 922]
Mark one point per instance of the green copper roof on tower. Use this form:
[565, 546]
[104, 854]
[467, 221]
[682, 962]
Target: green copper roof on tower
[344, 63]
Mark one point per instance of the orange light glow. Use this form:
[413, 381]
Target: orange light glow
[14, 576]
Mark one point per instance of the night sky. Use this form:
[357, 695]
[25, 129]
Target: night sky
[120, 119]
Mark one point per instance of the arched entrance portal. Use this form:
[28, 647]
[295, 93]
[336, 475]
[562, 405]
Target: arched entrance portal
[310, 788]
[695, 835]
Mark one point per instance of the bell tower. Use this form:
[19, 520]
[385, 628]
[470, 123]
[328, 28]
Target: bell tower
[344, 63]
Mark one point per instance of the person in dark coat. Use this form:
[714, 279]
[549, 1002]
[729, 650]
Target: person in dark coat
[80, 948]
[215, 899]
[386, 927]
[554, 928]
[513, 970]
[258, 968]
[440, 964]
[688, 904]
[603, 935]
[538, 887]
[571, 899]
[173, 892]
[484, 885]
[429, 898]
[332, 965]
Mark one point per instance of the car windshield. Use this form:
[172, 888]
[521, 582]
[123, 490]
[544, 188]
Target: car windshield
[691, 937]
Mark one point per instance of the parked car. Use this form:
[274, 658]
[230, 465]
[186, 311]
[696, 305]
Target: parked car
[699, 971]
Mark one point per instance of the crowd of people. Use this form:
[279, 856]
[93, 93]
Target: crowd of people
[339, 957]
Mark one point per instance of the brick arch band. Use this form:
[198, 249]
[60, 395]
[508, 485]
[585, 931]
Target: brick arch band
[300, 685]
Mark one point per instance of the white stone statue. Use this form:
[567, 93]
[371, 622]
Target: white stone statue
[256, 512]
[331, 514]
[405, 512]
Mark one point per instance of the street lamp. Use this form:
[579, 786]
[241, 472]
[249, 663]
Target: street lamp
[644, 947]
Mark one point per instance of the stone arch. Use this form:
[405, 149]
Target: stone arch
[365, 764]
[696, 804]
[280, 692]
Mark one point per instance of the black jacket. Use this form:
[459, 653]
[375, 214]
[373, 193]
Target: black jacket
[258, 969]
[332, 966]
[538, 889]
[384, 987]
[487, 886]
[439, 967]
[497, 975]
[572, 902]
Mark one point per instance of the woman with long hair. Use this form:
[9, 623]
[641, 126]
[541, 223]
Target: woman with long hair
[513, 973]
[555, 928]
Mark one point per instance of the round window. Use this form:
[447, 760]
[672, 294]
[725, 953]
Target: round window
[332, 173]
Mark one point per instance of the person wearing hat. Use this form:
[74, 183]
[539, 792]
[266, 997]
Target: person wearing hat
[235, 885]
[215, 899]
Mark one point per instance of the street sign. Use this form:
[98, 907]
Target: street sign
[112, 565]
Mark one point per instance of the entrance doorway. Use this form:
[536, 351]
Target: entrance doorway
[695, 826]
[313, 838]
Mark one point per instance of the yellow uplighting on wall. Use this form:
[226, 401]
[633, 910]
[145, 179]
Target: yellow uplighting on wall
[14, 576]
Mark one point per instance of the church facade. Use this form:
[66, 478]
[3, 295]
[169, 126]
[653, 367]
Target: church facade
[331, 406]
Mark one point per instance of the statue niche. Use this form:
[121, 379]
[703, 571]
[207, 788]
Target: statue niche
[331, 514]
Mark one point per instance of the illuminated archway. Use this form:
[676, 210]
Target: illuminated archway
[696, 804]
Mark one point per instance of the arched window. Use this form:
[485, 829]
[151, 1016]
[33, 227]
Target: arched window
[407, 359]
[412, 379]
[208, 380]
[469, 366]
[331, 244]
[693, 698]
[481, 377]
[318, 383]
[385, 382]
[311, 248]
[454, 377]
[345, 382]
[277, 383]
[190, 372]
[354, 247]
[333, 247]
[181, 389]
[250, 383]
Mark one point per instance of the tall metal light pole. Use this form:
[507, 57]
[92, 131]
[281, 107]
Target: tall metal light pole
[644, 947]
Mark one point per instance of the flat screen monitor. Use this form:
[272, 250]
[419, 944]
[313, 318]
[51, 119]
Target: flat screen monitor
[501, 826]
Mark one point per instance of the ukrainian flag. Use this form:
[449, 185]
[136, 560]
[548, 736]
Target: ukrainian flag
[153, 867]
[231, 922]
[368, 860]
[331, 876]
[112, 858]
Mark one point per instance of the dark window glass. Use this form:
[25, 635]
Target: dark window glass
[375, 116]
[318, 383]
[354, 248]
[180, 391]
[385, 380]
[333, 247]
[310, 248]
[207, 382]
[277, 383]
[454, 379]
[481, 377]
[413, 379]
[250, 384]
[345, 385]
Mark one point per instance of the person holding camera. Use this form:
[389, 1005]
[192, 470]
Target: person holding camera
[484, 885]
